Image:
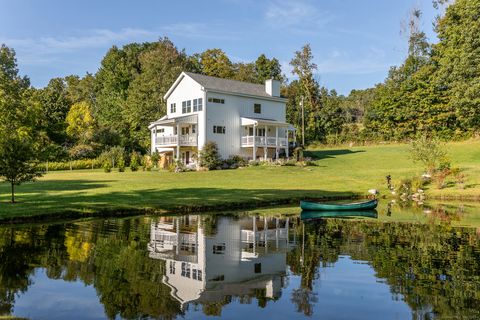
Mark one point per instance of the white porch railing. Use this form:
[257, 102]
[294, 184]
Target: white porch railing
[185, 140]
[260, 141]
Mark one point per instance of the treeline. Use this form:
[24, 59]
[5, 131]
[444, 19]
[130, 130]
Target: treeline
[114, 106]
[436, 91]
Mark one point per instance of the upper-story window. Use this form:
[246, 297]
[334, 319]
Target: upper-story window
[173, 107]
[219, 248]
[257, 108]
[187, 106]
[197, 104]
[216, 100]
[161, 130]
[219, 129]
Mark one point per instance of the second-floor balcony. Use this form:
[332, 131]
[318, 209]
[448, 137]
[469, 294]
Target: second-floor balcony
[260, 141]
[174, 140]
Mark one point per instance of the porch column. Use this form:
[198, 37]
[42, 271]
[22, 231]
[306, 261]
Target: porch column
[254, 156]
[178, 142]
[197, 165]
[265, 144]
[286, 148]
[276, 143]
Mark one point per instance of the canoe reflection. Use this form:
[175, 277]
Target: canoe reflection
[313, 215]
[207, 261]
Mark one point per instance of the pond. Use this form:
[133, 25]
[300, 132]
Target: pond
[421, 263]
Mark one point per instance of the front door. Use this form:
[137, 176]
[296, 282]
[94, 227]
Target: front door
[187, 157]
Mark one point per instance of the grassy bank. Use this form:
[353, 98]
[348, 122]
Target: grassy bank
[341, 172]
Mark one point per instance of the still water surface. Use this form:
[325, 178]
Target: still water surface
[244, 266]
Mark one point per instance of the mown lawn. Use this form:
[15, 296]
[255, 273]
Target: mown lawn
[340, 172]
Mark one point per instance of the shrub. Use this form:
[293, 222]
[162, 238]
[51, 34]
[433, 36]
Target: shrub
[404, 187]
[155, 157]
[209, 156]
[440, 176]
[290, 163]
[107, 166]
[459, 177]
[417, 183]
[113, 154]
[121, 165]
[430, 152]
[147, 163]
[134, 161]
[237, 160]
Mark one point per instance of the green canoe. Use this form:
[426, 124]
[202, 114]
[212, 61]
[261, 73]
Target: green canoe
[312, 215]
[315, 206]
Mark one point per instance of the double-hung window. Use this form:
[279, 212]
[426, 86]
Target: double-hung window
[197, 104]
[173, 107]
[187, 106]
[257, 108]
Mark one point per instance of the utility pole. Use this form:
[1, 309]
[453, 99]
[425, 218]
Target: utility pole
[303, 123]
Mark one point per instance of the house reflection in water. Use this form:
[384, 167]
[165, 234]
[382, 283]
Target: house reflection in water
[207, 261]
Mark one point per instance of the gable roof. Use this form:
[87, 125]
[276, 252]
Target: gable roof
[225, 86]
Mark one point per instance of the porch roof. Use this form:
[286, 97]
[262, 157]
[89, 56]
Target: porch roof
[165, 121]
[268, 122]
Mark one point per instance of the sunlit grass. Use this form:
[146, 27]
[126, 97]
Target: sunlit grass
[340, 172]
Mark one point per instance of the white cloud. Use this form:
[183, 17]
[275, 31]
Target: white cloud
[199, 31]
[93, 39]
[299, 15]
[47, 50]
[343, 62]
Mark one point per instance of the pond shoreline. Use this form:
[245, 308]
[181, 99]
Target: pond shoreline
[186, 209]
[121, 212]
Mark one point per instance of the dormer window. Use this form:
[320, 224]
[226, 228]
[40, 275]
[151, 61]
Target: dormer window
[257, 108]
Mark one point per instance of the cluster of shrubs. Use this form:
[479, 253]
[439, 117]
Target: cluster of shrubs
[209, 159]
[412, 188]
[72, 165]
[115, 157]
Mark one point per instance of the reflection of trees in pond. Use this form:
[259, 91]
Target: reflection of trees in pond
[436, 268]
[117, 264]
[304, 299]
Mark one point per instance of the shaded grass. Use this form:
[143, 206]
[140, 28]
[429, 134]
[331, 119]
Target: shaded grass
[340, 172]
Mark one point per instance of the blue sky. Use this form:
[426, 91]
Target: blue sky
[354, 42]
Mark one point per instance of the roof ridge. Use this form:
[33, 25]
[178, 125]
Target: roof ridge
[226, 79]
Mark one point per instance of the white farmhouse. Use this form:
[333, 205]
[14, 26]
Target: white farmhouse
[243, 118]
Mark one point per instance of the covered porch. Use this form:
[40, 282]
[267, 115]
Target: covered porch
[270, 137]
[177, 137]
